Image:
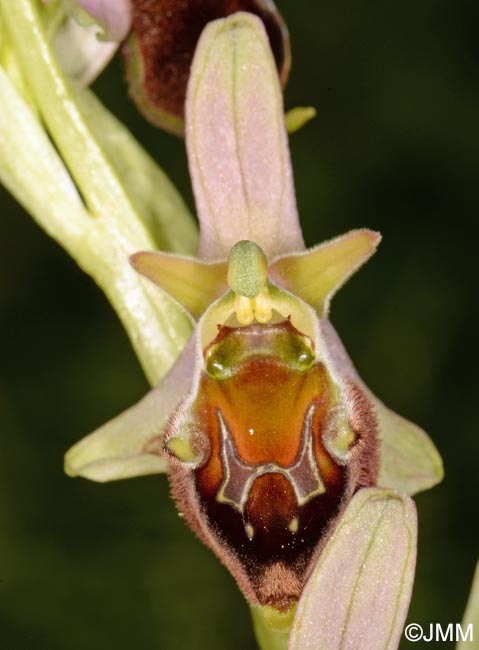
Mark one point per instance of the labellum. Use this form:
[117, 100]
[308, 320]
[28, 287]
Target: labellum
[267, 452]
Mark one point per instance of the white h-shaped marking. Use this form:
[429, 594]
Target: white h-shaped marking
[239, 476]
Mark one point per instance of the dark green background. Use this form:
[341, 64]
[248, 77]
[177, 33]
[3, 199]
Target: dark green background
[395, 147]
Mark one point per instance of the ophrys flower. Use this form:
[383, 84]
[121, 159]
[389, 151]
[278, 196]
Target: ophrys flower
[263, 424]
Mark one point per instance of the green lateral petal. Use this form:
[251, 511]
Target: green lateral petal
[409, 462]
[239, 157]
[130, 444]
[195, 284]
[318, 273]
[359, 592]
[471, 617]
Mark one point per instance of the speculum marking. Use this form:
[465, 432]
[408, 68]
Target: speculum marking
[239, 476]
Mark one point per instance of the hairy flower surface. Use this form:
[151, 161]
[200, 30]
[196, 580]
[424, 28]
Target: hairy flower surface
[279, 457]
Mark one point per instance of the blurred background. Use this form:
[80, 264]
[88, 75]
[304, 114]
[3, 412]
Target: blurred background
[395, 147]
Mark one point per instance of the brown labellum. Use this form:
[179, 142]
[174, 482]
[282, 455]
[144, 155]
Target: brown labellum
[160, 50]
[275, 452]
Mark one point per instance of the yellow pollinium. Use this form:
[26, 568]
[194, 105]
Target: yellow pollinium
[249, 309]
[248, 279]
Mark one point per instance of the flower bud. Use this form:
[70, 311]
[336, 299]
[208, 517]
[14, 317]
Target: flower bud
[160, 50]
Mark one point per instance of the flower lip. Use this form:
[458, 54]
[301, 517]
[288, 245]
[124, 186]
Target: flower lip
[269, 488]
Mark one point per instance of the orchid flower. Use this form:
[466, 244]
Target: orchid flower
[279, 457]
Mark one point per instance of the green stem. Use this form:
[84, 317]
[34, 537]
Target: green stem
[272, 627]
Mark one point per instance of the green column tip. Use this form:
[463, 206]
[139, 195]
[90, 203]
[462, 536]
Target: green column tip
[247, 269]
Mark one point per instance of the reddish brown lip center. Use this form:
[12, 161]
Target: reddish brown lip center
[269, 486]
